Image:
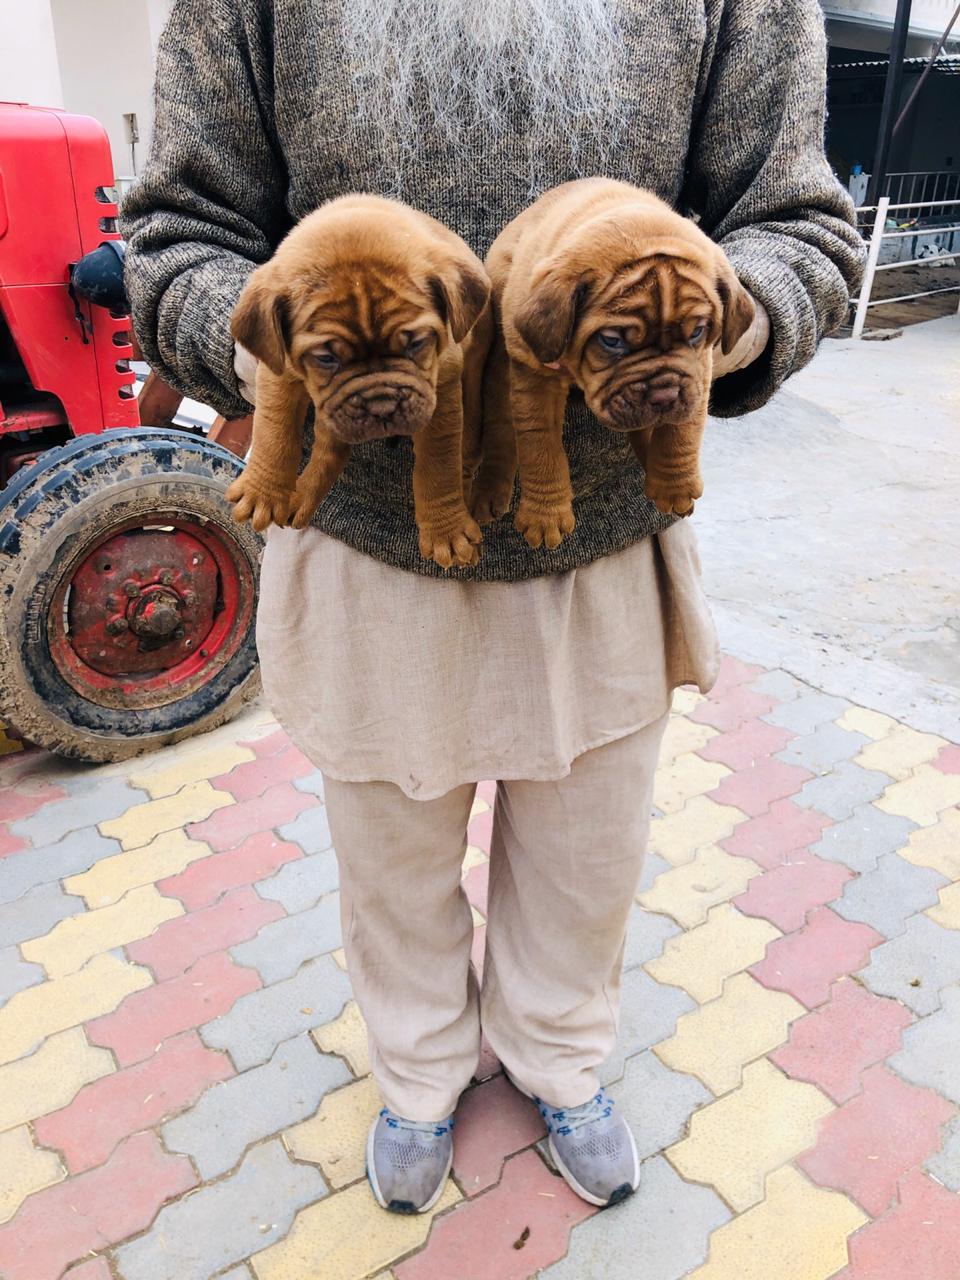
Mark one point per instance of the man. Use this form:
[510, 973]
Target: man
[551, 671]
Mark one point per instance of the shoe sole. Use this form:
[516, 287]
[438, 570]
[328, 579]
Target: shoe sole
[620, 1194]
[394, 1206]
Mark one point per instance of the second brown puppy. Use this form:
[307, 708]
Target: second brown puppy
[601, 285]
[379, 316]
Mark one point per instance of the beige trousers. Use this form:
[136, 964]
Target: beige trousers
[565, 862]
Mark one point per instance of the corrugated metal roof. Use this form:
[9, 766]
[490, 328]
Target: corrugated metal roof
[947, 62]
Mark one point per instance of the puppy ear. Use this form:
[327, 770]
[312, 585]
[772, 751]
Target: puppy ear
[260, 320]
[738, 306]
[460, 292]
[547, 319]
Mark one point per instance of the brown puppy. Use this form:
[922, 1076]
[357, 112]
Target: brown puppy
[601, 285]
[378, 315]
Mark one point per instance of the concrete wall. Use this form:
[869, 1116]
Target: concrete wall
[29, 71]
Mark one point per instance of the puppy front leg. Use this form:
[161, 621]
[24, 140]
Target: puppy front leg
[448, 533]
[263, 494]
[327, 459]
[493, 487]
[545, 513]
[671, 456]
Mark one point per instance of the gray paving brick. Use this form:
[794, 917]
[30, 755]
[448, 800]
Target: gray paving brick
[309, 830]
[16, 974]
[262, 1020]
[886, 896]
[929, 1054]
[36, 912]
[925, 955]
[842, 790]
[254, 1105]
[863, 838]
[51, 823]
[661, 1233]
[198, 1236]
[311, 785]
[280, 948]
[677, 1097]
[780, 685]
[805, 713]
[648, 1014]
[653, 866]
[236, 1273]
[20, 872]
[300, 884]
[646, 933]
[821, 750]
[945, 1165]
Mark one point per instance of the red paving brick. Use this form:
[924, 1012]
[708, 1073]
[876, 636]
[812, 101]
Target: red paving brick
[919, 1239]
[866, 1146]
[475, 884]
[948, 761]
[732, 708]
[755, 740]
[92, 1211]
[249, 780]
[208, 879]
[771, 838]
[95, 1269]
[476, 1240]
[785, 895]
[228, 827]
[804, 964]
[478, 949]
[179, 943]
[21, 802]
[110, 1109]
[480, 830]
[10, 843]
[489, 1063]
[494, 1121]
[733, 672]
[148, 1017]
[487, 791]
[754, 789]
[832, 1047]
[268, 745]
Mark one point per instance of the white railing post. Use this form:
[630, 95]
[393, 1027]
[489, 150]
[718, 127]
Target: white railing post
[873, 256]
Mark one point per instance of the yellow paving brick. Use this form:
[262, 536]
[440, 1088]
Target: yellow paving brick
[71, 943]
[798, 1232]
[685, 700]
[923, 796]
[715, 1041]
[479, 806]
[474, 857]
[347, 1037]
[688, 776]
[23, 1170]
[899, 753]
[336, 1136]
[683, 735]
[340, 956]
[701, 960]
[346, 1237]
[32, 1015]
[687, 893]
[947, 910]
[872, 724]
[141, 822]
[701, 821]
[937, 846]
[477, 916]
[8, 745]
[735, 1142]
[160, 777]
[50, 1078]
[110, 878]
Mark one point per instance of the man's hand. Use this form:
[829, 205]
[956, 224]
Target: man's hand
[750, 347]
[245, 367]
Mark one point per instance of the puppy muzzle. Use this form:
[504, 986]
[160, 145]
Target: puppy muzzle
[374, 409]
[645, 402]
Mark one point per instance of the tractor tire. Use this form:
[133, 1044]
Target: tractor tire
[127, 595]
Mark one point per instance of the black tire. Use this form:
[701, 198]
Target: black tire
[53, 517]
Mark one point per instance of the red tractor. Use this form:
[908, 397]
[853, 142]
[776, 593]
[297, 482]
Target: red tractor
[127, 593]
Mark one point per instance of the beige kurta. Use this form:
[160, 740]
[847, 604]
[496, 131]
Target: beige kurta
[382, 675]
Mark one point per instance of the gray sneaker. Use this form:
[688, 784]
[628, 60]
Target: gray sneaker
[408, 1161]
[594, 1149]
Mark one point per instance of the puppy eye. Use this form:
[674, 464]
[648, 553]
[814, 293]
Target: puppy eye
[611, 340]
[418, 344]
[697, 334]
[325, 360]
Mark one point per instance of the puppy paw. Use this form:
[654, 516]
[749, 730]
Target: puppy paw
[452, 543]
[490, 502]
[304, 503]
[674, 498]
[544, 526]
[259, 501]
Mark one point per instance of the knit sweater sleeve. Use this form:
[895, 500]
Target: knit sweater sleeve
[759, 178]
[211, 202]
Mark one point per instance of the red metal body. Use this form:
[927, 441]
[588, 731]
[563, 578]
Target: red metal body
[56, 178]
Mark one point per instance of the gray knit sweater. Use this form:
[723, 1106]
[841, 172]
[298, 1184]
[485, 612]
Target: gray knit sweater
[723, 115]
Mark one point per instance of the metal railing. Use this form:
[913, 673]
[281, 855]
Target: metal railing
[932, 188]
[880, 233]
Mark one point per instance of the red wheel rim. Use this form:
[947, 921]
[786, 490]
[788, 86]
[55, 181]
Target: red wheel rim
[151, 611]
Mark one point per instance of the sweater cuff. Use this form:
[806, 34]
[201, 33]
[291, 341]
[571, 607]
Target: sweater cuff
[205, 325]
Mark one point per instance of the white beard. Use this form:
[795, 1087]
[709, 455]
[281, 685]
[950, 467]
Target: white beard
[456, 65]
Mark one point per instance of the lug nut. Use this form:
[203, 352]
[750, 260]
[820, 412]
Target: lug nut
[110, 602]
[166, 577]
[131, 588]
[189, 599]
[116, 625]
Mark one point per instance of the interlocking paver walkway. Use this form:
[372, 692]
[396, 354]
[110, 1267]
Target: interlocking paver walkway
[184, 1077]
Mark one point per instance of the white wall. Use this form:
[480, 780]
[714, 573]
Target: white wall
[28, 55]
[928, 18]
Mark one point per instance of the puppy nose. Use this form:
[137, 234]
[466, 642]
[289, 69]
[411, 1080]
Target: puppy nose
[664, 396]
[377, 406]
